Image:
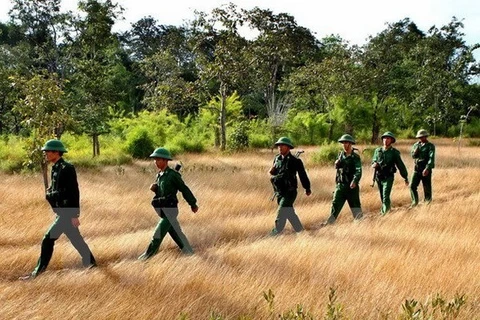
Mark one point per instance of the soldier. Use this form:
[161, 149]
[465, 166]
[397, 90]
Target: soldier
[284, 179]
[385, 161]
[349, 172]
[423, 152]
[168, 183]
[64, 198]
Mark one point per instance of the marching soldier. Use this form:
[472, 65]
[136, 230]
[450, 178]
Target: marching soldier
[385, 161]
[284, 180]
[168, 183]
[64, 198]
[349, 172]
[423, 152]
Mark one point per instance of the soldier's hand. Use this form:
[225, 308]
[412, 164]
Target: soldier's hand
[194, 209]
[425, 172]
[76, 222]
[353, 185]
[154, 187]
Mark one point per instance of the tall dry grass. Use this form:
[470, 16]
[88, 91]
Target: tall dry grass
[375, 265]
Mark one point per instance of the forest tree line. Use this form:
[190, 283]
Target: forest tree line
[65, 72]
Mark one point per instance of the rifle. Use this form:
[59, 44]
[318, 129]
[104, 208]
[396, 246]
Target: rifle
[44, 166]
[377, 168]
[298, 153]
[178, 166]
[374, 176]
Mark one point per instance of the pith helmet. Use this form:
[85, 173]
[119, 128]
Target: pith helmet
[161, 153]
[389, 134]
[54, 145]
[346, 138]
[286, 141]
[422, 133]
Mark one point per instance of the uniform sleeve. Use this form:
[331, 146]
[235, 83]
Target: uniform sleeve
[358, 169]
[186, 192]
[415, 152]
[431, 157]
[375, 156]
[400, 165]
[71, 196]
[302, 174]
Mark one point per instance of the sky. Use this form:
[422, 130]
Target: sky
[352, 20]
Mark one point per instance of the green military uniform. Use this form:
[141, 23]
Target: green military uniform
[349, 169]
[284, 180]
[389, 160]
[64, 198]
[165, 203]
[424, 156]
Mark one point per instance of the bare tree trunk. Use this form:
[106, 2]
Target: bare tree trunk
[44, 166]
[95, 145]
[223, 117]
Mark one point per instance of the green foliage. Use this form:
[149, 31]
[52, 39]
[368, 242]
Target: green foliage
[12, 153]
[307, 127]
[407, 133]
[472, 129]
[238, 139]
[257, 140]
[327, 154]
[260, 134]
[334, 309]
[80, 153]
[436, 308]
[367, 154]
[42, 110]
[139, 144]
[185, 143]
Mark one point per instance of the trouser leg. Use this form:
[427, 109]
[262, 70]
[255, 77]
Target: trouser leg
[176, 231]
[353, 199]
[339, 198]
[427, 187]
[160, 231]
[48, 243]
[385, 187]
[79, 244]
[286, 211]
[416, 177]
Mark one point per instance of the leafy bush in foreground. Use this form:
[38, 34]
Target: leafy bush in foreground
[436, 308]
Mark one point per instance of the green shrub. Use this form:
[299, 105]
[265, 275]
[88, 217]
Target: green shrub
[307, 127]
[139, 144]
[327, 154]
[13, 153]
[258, 140]
[238, 139]
[183, 143]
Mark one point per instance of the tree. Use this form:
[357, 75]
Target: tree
[220, 54]
[43, 111]
[321, 86]
[98, 77]
[43, 27]
[280, 47]
[445, 66]
[13, 63]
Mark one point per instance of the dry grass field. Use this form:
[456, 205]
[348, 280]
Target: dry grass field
[374, 265]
